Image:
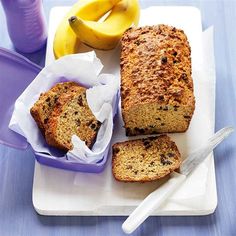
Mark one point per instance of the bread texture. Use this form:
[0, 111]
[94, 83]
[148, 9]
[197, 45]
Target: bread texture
[156, 84]
[43, 107]
[71, 116]
[144, 160]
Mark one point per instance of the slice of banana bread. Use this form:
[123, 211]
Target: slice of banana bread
[156, 84]
[44, 105]
[144, 160]
[71, 115]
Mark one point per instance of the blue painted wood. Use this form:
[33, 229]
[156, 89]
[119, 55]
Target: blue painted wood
[17, 216]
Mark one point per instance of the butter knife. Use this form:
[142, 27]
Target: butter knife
[160, 195]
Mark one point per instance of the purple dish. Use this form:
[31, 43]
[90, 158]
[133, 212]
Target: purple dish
[17, 72]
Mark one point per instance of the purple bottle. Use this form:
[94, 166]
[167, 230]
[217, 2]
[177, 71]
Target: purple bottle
[26, 24]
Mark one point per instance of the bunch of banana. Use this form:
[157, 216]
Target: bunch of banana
[105, 35]
[83, 25]
[65, 40]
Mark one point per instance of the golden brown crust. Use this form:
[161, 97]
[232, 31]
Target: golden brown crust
[36, 115]
[156, 69]
[145, 160]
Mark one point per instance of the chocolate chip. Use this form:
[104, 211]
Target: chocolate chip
[164, 60]
[146, 143]
[137, 42]
[170, 154]
[158, 118]
[187, 117]
[48, 99]
[165, 161]
[45, 121]
[78, 122]
[80, 100]
[76, 112]
[175, 61]
[162, 124]
[161, 97]
[176, 108]
[136, 172]
[184, 77]
[175, 54]
[152, 163]
[165, 108]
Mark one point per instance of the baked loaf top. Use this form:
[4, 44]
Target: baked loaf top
[155, 67]
[72, 116]
[145, 160]
[43, 107]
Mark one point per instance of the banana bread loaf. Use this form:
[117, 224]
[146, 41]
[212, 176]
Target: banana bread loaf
[145, 160]
[43, 107]
[71, 116]
[156, 84]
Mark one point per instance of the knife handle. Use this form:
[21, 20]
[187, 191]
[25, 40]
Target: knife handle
[152, 202]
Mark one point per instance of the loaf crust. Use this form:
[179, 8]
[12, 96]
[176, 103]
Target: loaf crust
[72, 116]
[156, 84]
[144, 160]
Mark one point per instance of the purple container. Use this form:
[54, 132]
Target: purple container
[17, 72]
[26, 24]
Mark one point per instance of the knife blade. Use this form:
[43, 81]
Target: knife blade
[157, 197]
[198, 156]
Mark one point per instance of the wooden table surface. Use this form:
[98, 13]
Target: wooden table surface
[17, 215]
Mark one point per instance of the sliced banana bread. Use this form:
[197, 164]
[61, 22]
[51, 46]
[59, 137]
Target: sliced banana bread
[71, 115]
[156, 83]
[144, 160]
[43, 107]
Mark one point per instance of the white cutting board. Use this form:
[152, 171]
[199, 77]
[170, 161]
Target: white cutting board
[59, 192]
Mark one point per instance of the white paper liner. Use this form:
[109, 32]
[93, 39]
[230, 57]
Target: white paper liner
[84, 69]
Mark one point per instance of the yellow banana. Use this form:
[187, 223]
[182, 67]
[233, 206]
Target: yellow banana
[65, 40]
[105, 35]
